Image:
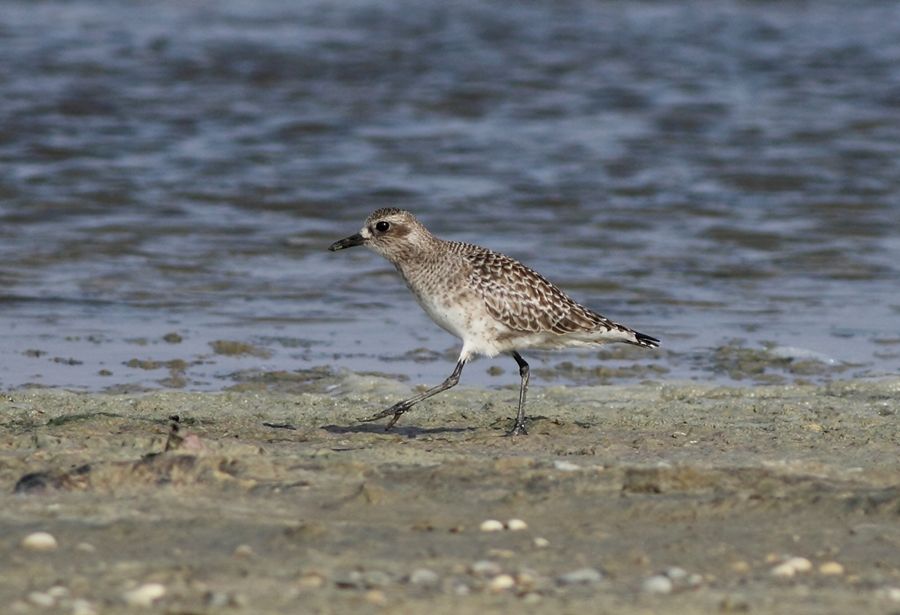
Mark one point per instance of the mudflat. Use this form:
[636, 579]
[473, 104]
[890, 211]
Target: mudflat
[649, 498]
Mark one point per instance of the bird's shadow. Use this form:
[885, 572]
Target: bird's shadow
[409, 431]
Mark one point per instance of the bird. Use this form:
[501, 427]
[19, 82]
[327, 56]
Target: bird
[493, 303]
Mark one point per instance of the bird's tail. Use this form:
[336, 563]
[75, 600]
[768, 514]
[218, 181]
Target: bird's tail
[641, 339]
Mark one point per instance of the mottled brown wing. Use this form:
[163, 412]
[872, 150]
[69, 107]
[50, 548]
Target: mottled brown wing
[524, 300]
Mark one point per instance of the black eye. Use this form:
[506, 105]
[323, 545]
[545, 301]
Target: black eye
[382, 226]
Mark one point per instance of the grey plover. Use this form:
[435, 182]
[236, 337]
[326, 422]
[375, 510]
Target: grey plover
[492, 302]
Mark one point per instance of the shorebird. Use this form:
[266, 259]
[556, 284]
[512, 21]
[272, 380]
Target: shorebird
[493, 303]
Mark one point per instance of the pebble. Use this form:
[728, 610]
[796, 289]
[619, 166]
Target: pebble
[491, 525]
[80, 606]
[527, 580]
[501, 582]
[792, 566]
[243, 551]
[566, 466]
[145, 595]
[40, 541]
[217, 600]
[800, 564]
[376, 597]
[516, 525]
[311, 580]
[580, 577]
[831, 568]
[351, 580]
[424, 577]
[657, 584]
[740, 566]
[486, 568]
[735, 603]
[376, 578]
[41, 599]
[676, 573]
[541, 542]
[889, 593]
[19, 606]
[784, 570]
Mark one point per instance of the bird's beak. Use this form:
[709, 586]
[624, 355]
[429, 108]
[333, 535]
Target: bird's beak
[347, 242]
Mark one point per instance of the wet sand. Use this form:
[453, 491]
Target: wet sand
[671, 498]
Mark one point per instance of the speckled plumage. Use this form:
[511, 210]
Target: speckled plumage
[492, 302]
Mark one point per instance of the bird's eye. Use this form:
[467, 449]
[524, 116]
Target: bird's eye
[382, 226]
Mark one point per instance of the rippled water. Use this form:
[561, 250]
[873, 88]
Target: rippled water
[724, 176]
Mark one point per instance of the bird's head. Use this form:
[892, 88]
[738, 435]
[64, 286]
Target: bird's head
[393, 233]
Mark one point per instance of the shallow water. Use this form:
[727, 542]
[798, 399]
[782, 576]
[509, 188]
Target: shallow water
[723, 176]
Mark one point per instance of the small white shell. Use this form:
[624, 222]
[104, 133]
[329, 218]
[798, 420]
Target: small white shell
[501, 582]
[40, 541]
[145, 595]
[657, 584]
[491, 525]
[515, 525]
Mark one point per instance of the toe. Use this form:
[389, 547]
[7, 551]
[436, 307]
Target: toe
[518, 430]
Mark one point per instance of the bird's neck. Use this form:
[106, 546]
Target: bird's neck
[419, 261]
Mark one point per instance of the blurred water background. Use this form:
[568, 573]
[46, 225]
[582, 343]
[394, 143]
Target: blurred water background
[722, 175]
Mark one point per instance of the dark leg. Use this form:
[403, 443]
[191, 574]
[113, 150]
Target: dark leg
[400, 407]
[519, 428]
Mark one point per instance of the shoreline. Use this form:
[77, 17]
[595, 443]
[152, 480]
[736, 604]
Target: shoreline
[640, 498]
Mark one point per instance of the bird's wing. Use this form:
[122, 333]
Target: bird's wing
[523, 300]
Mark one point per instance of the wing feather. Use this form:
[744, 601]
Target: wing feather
[523, 300]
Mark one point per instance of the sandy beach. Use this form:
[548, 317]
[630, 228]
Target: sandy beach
[649, 498]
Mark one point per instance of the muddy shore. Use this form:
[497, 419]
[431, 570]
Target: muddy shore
[649, 498]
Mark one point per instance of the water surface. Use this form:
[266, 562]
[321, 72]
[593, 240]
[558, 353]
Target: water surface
[724, 176]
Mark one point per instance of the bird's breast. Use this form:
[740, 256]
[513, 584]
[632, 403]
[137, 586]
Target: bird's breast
[445, 294]
[465, 316]
[454, 313]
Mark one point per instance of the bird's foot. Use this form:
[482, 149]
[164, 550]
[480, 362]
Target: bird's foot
[397, 410]
[518, 429]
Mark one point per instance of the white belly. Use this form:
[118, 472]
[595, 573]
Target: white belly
[466, 317]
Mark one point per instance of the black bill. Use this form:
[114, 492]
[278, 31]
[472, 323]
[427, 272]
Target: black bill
[347, 242]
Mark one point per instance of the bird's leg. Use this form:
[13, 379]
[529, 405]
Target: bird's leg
[400, 407]
[519, 428]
